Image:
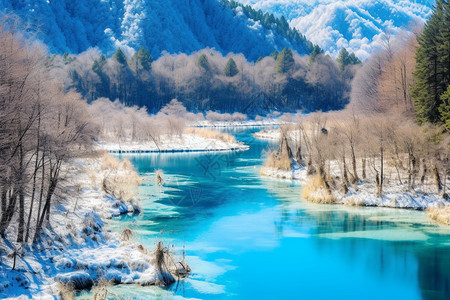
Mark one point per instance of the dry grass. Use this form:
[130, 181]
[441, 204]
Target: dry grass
[65, 291]
[352, 201]
[314, 191]
[164, 263]
[159, 180]
[211, 134]
[120, 179]
[100, 289]
[278, 161]
[126, 235]
[440, 214]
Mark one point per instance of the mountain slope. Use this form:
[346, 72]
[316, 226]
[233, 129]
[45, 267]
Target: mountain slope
[357, 25]
[171, 25]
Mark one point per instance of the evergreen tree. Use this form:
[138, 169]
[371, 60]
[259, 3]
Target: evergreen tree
[285, 61]
[316, 51]
[202, 62]
[141, 60]
[345, 59]
[444, 109]
[99, 63]
[354, 60]
[120, 57]
[231, 68]
[274, 54]
[432, 66]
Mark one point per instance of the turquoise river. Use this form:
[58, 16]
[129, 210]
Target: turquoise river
[249, 237]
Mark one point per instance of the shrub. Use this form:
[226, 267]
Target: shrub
[120, 179]
[278, 161]
[440, 214]
[315, 191]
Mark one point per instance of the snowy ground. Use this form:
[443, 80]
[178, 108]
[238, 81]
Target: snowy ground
[77, 248]
[249, 123]
[274, 134]
[185, 143]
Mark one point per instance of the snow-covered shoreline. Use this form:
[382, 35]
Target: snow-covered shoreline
[248, 123]
[394, 196]
[173, 144]
[77, 249]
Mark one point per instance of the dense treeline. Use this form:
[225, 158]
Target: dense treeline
[411, 75]
[207, 80]
[279, 25]
[431, 90]
[42, 128]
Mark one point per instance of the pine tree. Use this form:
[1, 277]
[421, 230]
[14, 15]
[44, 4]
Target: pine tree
[343, 59]
[202, 62]
[99, 63]
[274, 54]
[120, 57]
[444, 109]
[231, 68]
[432, 66]
[285, 61]
[141, 60]
[316, 51]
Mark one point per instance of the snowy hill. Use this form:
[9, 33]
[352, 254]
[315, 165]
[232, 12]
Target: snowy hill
[357, 25]
[159, 25]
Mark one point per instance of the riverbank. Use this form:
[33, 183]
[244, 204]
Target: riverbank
[397, 191]
[394, 195]
[77, 251]
[186, 142]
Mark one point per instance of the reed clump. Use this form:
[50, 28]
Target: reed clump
[440, 214]
[127, 235]
[100, 289]
[119, 179]
[279, 161]
[65, 291]
[315, 191]
[159, 179]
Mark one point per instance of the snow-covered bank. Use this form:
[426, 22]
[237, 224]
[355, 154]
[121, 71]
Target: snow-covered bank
[77, 250]
[275, 134]
[183, 143]
[247, 123]
[394, 195]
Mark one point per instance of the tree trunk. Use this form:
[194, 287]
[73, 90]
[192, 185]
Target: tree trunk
[36, 168]
[355, 172]
[364, 168]
[21, 228]
[381, 170]
[437, 178]
[7, 215]
[424, 171]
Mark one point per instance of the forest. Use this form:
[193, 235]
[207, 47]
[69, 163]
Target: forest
[207, 80]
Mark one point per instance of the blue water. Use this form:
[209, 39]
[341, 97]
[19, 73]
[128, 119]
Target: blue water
[247, 237]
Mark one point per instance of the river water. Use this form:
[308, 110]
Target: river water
[247, 237]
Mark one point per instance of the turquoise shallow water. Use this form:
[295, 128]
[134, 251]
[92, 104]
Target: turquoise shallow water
[247, 237]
